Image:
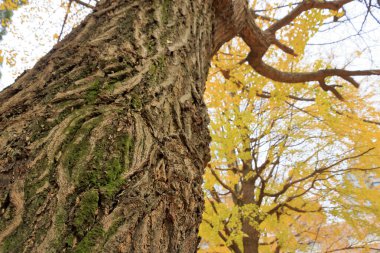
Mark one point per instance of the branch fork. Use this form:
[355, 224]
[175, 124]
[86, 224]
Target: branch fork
[238, 20]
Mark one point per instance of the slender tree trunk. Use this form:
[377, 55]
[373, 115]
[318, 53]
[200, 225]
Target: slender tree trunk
[251, 241]
[250, 222]
[103, 143]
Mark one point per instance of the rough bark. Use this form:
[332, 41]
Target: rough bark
[104, 142]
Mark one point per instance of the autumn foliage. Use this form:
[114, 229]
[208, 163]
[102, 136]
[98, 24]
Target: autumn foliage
[290, 164]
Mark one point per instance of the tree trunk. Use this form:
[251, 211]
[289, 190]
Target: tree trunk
[103, 143]
[250, 221]
[251, 240]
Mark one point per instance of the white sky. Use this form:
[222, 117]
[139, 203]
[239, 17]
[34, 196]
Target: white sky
[31, 36]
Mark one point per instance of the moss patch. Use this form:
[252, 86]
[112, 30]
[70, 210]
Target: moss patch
[165, 11]
[157, 73]
[61, 219]
[76, 151]
[93, 92]
[15, 241]
[107, 165]
[85, 215]
[115, 225]
[136, 102]
[33, 181]
[70, 241]
[89, 241]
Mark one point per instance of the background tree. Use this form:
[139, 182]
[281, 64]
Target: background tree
[104, 141]
[289, 166]
[282, 178]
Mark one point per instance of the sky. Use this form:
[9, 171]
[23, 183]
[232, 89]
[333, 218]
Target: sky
[32, 34]
[35, 26]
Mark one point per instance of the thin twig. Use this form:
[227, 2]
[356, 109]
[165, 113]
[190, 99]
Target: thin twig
[84, 4]
[65, 19]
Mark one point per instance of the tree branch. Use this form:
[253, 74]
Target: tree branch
[315, 173]
[265, 94]
[65, 19]
[235, 19]
[225, 186]
[305, 6]
[353, 248]
[299, 210]
[84, 4]
[234, 247]
[318, 76]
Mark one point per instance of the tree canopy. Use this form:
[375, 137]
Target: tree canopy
[290, 166]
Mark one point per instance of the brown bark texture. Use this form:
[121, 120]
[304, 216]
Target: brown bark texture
[104, 142]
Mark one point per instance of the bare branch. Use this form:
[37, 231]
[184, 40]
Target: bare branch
[353, 248]
[305, 6]
[314, 174]
[84, 4]
[265, 94]
[285, 48]
[236, 19]
[364, 120]
[318, 76]
[65, 19]
[225, 186]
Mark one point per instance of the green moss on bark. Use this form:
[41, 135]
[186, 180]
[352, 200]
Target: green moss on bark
[165, 11]
[136, 102]
[93, 92]
[106, 167]
[85, 215]
[61, 220]
[90, 240]
[15, 241]
[77, 151]
[157, 73]
[115, 225]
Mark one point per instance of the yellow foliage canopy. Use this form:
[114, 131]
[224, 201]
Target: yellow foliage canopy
[290, 161]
